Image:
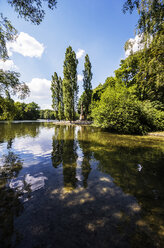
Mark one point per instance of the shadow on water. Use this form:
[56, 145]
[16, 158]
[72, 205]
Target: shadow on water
[103, 190]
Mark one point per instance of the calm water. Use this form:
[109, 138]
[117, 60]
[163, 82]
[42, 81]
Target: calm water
[74, 187]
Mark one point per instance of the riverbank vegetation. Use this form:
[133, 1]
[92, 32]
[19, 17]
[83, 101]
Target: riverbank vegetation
[130, 102]
[133, 100]
[19, 111]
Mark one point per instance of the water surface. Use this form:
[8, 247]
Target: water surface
[64, 186]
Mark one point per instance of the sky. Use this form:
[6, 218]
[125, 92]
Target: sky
[93, 27]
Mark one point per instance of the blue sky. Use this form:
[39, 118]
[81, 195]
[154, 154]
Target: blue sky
[98, 28]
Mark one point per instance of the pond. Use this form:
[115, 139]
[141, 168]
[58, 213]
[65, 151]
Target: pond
[78, 186]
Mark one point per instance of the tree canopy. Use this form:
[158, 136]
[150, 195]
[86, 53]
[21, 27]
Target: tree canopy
[70, 87]
[29, 10]
[57, 96]
[87, 85]
[151, 14]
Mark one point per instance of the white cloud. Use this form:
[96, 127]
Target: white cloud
[40, 87]
[26, 45]
[135, 45]
[80, 77]
[80, 53]
[8, 65]
[40, 92]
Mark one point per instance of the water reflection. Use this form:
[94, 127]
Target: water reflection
[28, 183]
[87, 154]
[9, 131]
[57, 146]
[70, 152]
[10, 204]
[80, 187]
[135, 163]
[65, 152]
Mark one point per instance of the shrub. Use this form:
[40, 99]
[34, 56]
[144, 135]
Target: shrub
[120, 111]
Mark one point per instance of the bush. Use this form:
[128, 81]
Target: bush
[120, 111]
[152, 116]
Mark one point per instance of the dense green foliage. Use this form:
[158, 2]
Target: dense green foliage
[133, 100]
[65, 92]
[10, 85]
[87, 73]
[145, 70]
[70, 87]
[7, 109]
[10, 110]
[119, 110]
[57, 96]
[82, 103]
[47, 114]
[25, 111]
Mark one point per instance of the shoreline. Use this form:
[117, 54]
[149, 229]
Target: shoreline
[156, 134]
[89, 123]
[74, 123]
[78, 123]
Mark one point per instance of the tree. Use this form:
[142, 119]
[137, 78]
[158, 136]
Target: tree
[20, 111]
[82, 103]
[119, 110]
[97, 92]
[144, 70]
[32, 111]
[47, 114]
[87, 83]
[57, 96]
[151, 14]
[30, 11]
[7, 33]
[24, 111]
[70, 87]
[7, 109]
[61, 103]
[10, 84]
[55, 88]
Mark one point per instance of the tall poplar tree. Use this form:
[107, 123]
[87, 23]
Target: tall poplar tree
[61, 104]
[70, 87]
[55, 88]
[87, 85]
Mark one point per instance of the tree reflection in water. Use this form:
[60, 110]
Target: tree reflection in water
[96, 194]
[87, 154]
[65, 152]
[10, 204]
[57, 146]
